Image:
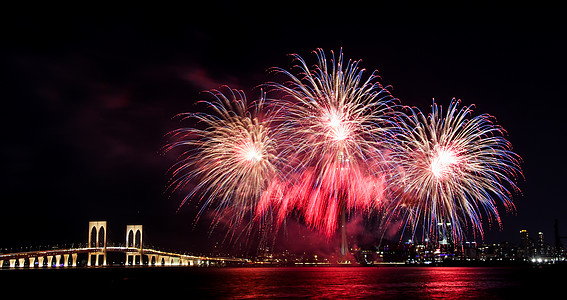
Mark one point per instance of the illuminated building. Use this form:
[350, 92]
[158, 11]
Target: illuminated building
[445, 234]
[524, 252]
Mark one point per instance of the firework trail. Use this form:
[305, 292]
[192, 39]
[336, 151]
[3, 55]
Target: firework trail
[450, 170]
[332, 126]
[231, 154]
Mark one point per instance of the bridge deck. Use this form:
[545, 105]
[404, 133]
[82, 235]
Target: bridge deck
[127, 250]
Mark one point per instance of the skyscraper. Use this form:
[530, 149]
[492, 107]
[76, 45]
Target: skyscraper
[525, 245]
[445, 232]
[540, 246]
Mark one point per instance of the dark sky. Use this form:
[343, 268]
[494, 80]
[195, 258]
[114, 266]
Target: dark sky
[88, 98]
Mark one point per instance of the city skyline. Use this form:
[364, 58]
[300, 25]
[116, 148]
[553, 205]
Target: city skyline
[100, 249]
[89, 107]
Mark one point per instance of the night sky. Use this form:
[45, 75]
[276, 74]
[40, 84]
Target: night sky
[87, 99]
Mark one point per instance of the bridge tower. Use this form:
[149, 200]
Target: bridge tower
[134, 239]
[97, 242]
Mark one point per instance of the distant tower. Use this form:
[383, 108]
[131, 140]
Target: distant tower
[97, 241]
[524, 239]
[525, 244]
[344, 244]
[343, 159]
[558, 245]
[540, 247]
[445, 231]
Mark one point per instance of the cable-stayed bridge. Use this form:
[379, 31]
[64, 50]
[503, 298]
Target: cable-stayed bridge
[97, 253]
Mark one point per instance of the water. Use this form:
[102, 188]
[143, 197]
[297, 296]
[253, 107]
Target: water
[304, 282]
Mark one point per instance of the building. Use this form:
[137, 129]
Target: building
[525, 248]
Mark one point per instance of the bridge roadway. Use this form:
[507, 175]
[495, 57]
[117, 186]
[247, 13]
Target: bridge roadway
[134, 256]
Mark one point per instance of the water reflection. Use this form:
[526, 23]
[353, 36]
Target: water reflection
[366, 283]
[315, 283]
[461, 283]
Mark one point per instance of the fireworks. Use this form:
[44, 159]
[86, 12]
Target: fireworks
[334, 122]
[451, 170]
[231, 155]
[333, 141]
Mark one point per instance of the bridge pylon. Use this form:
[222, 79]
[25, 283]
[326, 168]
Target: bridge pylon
[97, 243]
[134, 239]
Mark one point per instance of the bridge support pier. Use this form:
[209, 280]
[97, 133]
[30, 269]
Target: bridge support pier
[97, 259]
[12, 263]
[32, 261]
[134, 256]
[40, 261]
[152, 260]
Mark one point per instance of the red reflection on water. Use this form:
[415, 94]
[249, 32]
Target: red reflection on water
[318, 282]
[452, 283]
[360, 283]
